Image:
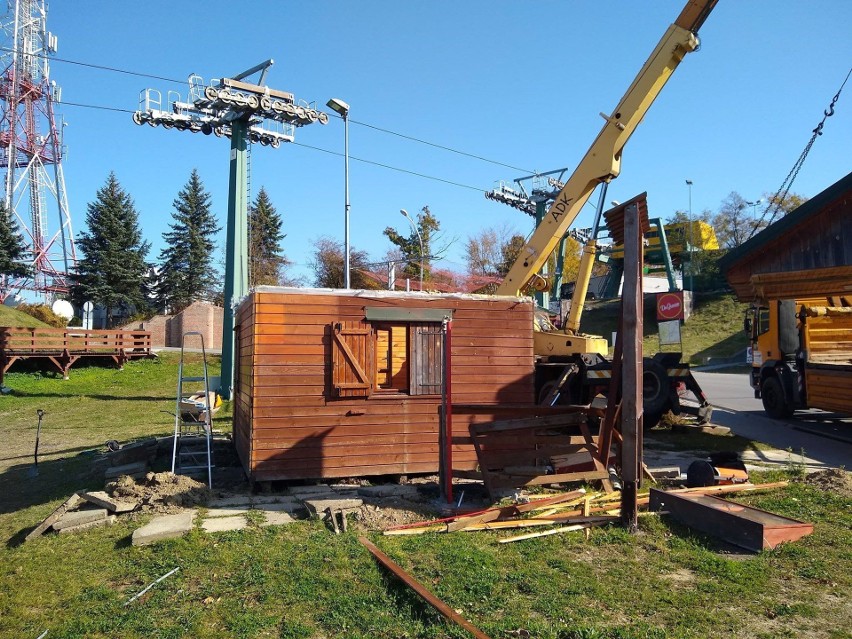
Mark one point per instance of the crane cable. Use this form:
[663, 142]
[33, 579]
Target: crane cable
[777, 200]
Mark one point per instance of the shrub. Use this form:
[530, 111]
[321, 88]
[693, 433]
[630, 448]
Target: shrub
[43, 313]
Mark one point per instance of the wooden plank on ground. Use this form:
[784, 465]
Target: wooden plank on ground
[421, 590]
[72, 502]
[743, 526]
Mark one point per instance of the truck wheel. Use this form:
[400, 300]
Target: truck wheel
[774, 401]
[649, 420]
[655, 388]
[545, 391]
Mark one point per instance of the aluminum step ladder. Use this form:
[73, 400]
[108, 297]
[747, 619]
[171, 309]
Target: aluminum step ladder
[192, 451]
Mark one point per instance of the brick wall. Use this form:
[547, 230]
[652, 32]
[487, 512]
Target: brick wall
[202, 317]
[167, 330]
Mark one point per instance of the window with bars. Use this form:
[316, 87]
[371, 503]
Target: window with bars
[387, 357]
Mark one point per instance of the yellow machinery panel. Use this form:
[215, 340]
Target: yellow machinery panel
[559, 343]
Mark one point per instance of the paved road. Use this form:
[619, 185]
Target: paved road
[825, 439]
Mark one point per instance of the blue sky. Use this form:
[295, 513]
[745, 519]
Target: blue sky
[520, 83]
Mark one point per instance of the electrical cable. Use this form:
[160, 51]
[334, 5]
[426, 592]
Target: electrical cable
[95, 106]
[439, 146]
[392, 168]
[98, 66]
[165, 79]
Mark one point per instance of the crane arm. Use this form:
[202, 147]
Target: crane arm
[602, 161]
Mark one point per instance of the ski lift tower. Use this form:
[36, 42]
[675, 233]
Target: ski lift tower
[245, 113]
[31, 151]
[534, 203]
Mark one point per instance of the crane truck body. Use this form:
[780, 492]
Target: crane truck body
[801, 355]
[570, 366]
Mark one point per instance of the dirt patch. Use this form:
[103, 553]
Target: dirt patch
[162, 492]
[682, 576]
[373, 517]
[834, 480]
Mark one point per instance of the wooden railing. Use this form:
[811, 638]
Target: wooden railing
[64, 346]
[36, 341]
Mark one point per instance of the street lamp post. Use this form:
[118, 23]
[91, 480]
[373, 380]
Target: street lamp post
[419, 238]
[340, 107]
[754, 206]
[690, 240]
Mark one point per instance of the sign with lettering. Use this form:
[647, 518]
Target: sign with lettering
[670, 306]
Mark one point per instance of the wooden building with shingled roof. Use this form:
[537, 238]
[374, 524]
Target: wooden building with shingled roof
[807, 253]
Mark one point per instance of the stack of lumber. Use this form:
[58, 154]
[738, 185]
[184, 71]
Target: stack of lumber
[553, 514]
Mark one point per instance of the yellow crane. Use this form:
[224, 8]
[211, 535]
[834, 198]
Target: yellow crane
[600, 165]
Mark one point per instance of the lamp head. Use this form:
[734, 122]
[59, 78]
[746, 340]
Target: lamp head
[403, 212]
[338, 106]
[689, 182]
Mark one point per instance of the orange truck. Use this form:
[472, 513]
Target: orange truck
[801, 355]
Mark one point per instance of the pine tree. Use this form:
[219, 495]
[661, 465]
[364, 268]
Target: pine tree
[12, 248]
[187, 270]
[266, 260]
[112, 269]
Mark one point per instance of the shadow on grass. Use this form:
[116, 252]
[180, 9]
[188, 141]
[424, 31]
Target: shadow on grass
[729, 347]
[77, 449]
[77, 393]
[56, 481]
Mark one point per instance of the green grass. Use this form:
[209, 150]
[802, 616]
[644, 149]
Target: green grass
[714, 330]
[301, 581]
[10, 317]
[96, 404]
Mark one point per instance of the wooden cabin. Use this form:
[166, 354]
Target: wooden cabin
[345, 383]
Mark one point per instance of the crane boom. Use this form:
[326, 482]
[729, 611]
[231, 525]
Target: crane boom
[602, 161]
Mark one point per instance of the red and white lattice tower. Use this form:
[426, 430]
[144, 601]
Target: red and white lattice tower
[31, 151]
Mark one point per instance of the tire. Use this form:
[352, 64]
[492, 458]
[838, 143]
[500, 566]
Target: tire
[546, 389]
[700, 473]
[649, 420]
[655, 388]
[774, 401]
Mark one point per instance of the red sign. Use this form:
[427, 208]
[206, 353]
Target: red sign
[670, 306]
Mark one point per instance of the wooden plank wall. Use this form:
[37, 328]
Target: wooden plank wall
[243, 375]
[288, 424]
[819, 241]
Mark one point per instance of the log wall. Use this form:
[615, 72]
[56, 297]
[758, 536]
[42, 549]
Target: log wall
[290, 424]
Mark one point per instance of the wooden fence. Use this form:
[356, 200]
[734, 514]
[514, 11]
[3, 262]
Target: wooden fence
[62, 347]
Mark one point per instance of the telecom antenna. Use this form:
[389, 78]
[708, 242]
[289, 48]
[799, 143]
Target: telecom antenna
[31, 151]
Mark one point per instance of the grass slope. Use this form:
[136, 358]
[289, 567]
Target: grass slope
[714, 330]
[10, 317]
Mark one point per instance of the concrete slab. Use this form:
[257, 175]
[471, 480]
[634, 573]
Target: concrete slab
[285, 507]
[319, 506]
[263, 500]
[215, 513]
[164, 527]
[276, 518]
[240, 501]
[108, 521]
[79, 517]
[105, 500]
[142, 451]
[345, 488]
[134, 469]
[72, 502]
[224, 524]
[307, 491]
[389, 490]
